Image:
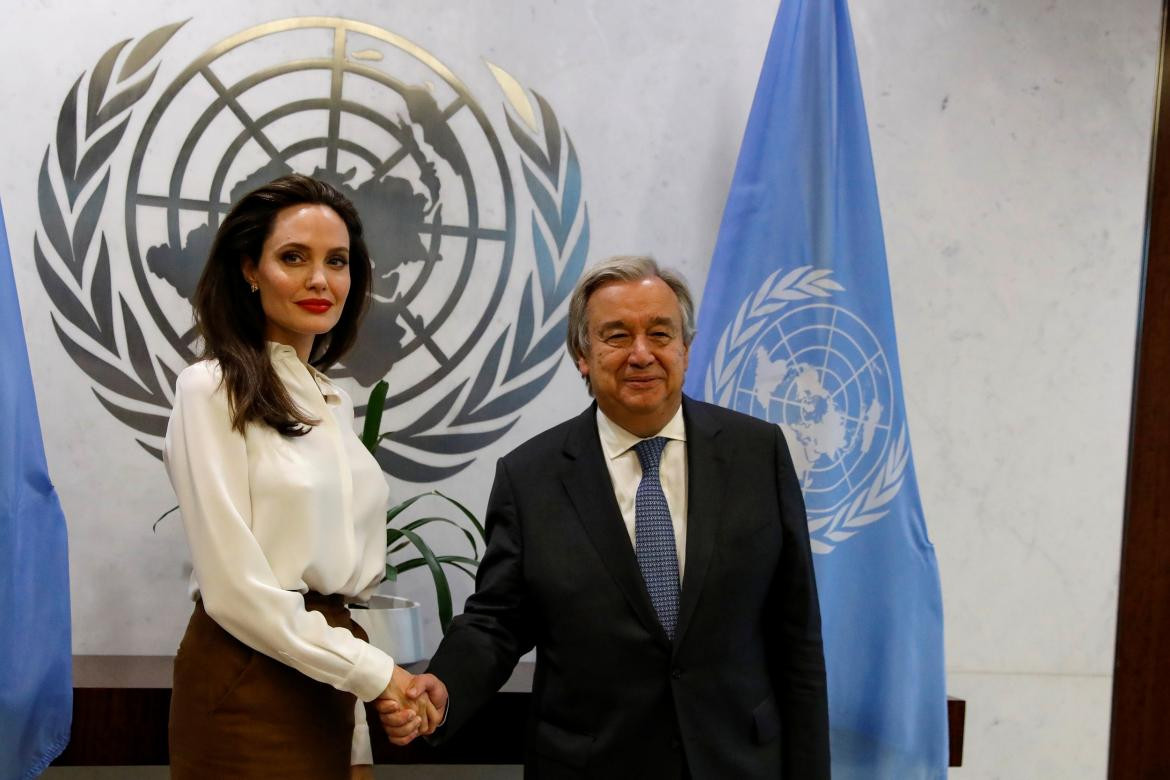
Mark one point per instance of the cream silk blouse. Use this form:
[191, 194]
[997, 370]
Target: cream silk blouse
[269, 517]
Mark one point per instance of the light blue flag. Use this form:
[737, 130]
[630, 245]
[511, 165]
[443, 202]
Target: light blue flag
[36, 678]
[796, 327]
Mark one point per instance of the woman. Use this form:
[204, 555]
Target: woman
[283, 508]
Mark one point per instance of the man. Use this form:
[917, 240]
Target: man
[593, 525]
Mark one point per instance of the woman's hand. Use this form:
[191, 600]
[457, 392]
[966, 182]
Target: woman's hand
[423, 717]
[403, 723]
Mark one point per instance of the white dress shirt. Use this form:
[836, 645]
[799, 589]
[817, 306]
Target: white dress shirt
[625, 472]
[269, 517]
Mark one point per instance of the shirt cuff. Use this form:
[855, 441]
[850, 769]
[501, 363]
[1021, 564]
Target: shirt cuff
[371, 673]
[360, 751]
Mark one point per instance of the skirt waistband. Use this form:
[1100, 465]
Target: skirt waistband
[315, 600]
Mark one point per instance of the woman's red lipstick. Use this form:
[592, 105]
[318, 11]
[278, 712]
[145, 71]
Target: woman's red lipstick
[315, 305]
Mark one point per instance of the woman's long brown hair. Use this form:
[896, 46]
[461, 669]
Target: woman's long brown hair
[231, 321]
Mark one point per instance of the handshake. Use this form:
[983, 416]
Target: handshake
[411, 706]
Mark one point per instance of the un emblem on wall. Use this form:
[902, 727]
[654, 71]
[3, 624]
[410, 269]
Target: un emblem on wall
[818, 372]
[384, 121]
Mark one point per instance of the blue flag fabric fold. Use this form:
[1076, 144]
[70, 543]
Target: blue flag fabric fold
[796, 327]
[36, 679]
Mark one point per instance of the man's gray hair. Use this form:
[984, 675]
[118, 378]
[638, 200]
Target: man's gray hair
[623, 268]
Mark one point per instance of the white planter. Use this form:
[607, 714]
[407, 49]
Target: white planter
[394, 625]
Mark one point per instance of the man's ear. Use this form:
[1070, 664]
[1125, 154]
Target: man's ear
[583, 366]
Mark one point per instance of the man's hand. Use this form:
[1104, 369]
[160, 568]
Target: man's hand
[416, 715]
[401, 719]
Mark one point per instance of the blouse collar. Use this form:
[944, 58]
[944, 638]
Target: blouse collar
[282, 355]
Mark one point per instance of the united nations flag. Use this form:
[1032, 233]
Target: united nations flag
[36, 677]
[797, 328]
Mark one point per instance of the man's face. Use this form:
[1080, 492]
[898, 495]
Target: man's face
[636, 357]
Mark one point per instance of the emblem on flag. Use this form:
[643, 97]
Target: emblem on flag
[797, 328]
[793, 356]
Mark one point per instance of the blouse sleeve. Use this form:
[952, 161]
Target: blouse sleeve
[208, 466]
[346, 423]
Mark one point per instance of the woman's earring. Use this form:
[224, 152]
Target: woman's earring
[254, 287]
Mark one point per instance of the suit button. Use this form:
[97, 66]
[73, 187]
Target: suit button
[676, 674]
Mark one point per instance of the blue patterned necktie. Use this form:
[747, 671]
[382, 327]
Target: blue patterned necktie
[654, 536]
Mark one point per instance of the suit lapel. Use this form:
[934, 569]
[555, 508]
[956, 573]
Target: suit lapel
[587, 481]
[707, 477]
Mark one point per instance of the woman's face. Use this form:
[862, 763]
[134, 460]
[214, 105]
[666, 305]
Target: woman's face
[302, 275]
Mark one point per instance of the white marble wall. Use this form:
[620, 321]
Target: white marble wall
[1010, 140]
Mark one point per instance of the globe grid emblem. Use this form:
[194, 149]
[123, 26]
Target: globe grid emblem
[389, 143]
[466, 331]
[817, 371]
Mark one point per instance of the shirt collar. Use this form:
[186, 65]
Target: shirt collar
[616, 440]
[282, 355]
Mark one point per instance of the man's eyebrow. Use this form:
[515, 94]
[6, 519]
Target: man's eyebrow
[622, 325]
[612, 325]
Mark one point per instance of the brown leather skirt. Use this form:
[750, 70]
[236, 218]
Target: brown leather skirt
[236, 713]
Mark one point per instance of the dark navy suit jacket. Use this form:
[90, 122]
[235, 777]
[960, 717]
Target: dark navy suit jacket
[739, 693]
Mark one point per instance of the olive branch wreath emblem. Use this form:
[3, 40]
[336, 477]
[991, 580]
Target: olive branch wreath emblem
[826, 530]
[84, 297]
[77, 277]
[539, 331]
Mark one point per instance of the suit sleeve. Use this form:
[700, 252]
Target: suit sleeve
[484, 643]
[794, 636]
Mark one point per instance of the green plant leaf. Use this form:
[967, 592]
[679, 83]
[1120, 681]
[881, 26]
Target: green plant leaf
[160, 517]
[442, 587]
[469, 572]
[391, 572]
[416, 524]
[466, 513]
[449, 560]
[398, 539]
[374, 409]
[400, 508]
[407, 504]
